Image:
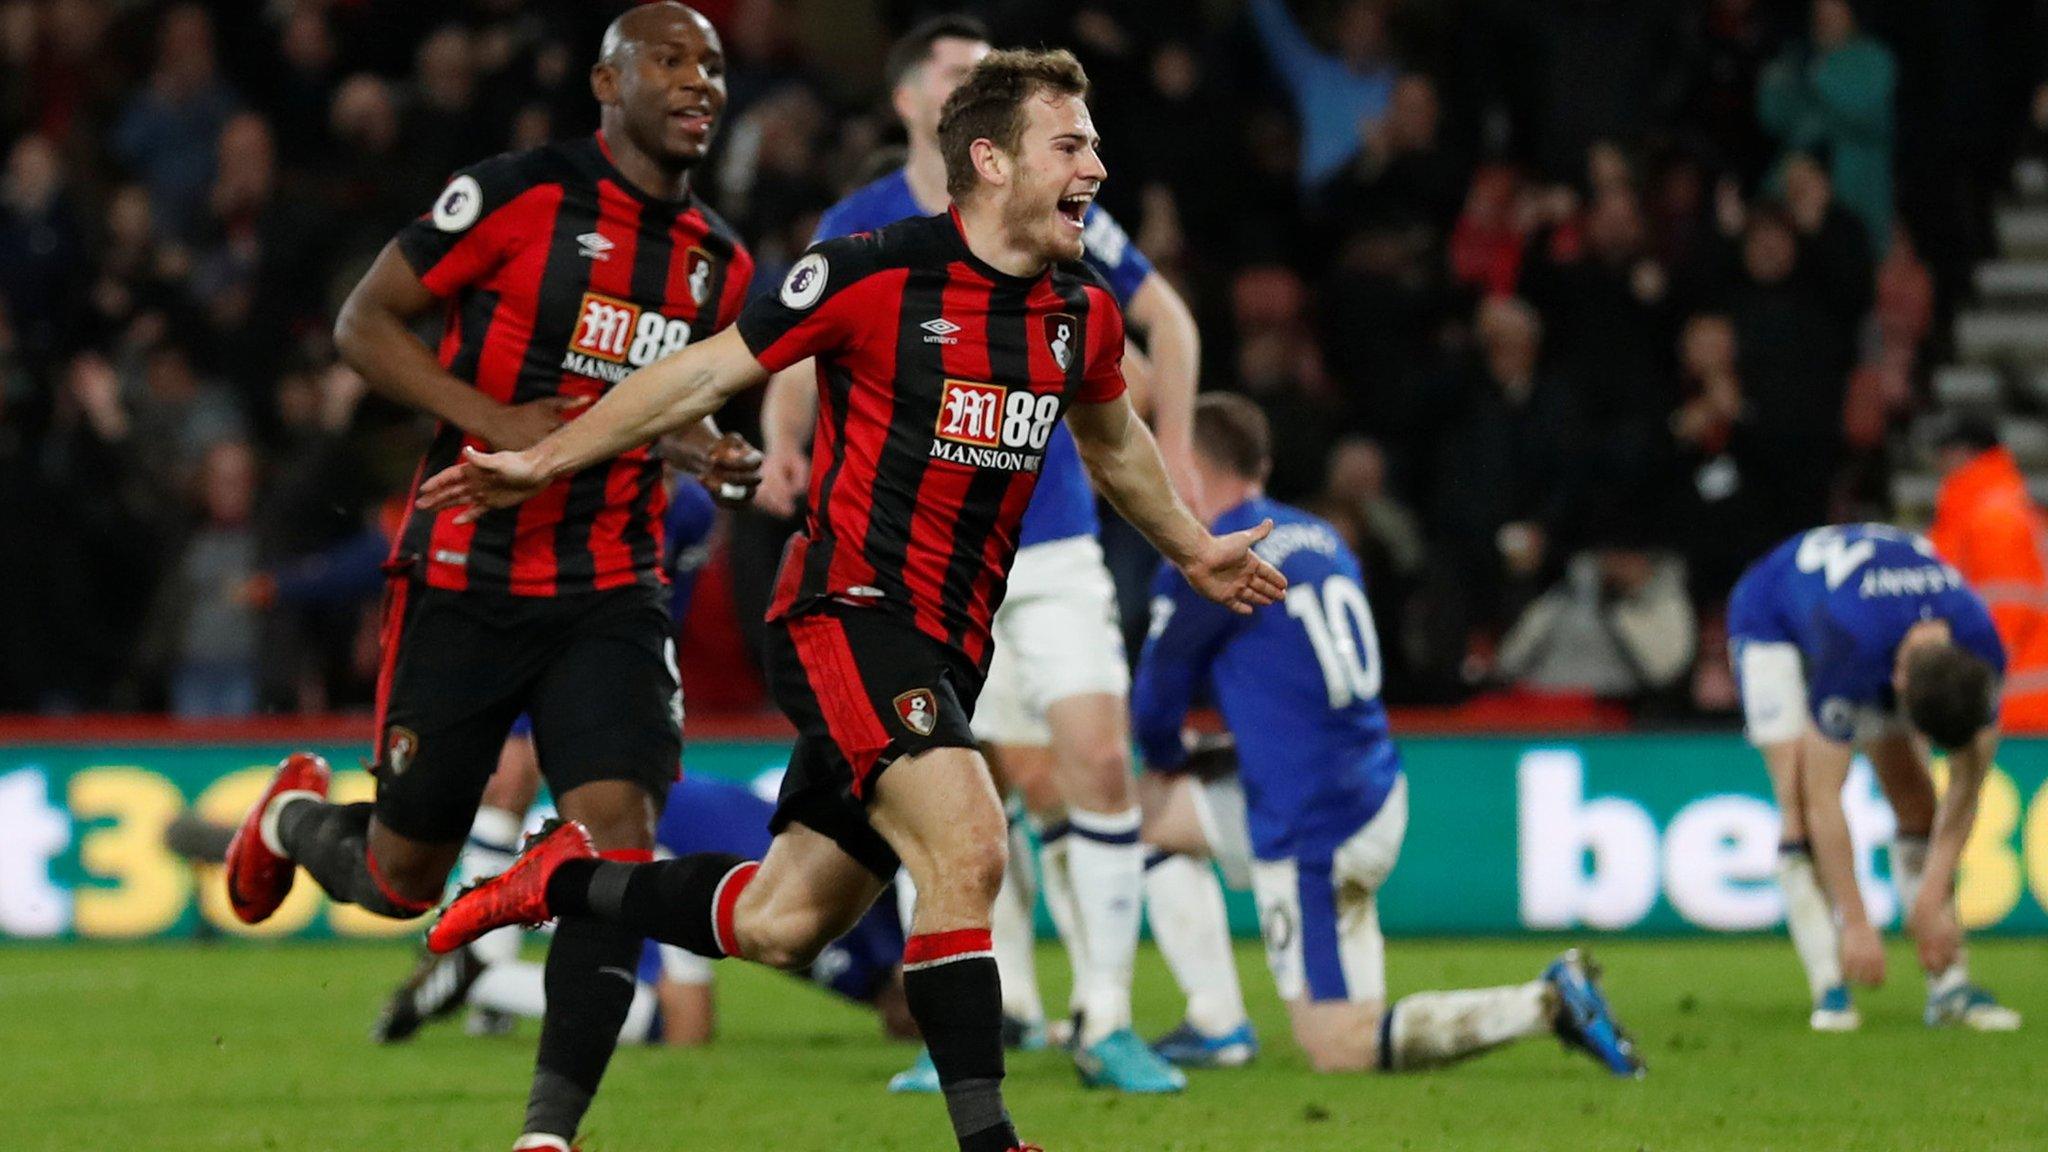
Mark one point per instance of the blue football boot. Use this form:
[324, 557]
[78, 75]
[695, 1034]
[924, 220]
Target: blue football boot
[1188, 1047]
[1122, 1061]
[1583, 1019]
[1835, 1012]
[920, 1077]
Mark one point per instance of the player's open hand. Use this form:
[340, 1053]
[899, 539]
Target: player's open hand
[1862, 954]
[1226, 570]
[1936, 933]
[732, 470]
[482, 481]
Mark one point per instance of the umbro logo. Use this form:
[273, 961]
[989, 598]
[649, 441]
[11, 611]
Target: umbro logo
[941, 331]
[594, 246]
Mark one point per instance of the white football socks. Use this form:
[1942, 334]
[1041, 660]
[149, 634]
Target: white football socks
[1015, 938]
[1811, 921]
[493, 846]
[1909, 863]
[520, 989]
[1056, 883]
[1107, 866]
[1185, 905]
[1431, 1029]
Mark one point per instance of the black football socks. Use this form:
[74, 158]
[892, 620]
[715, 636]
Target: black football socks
[956, 997]
[687, 901]
[331, 842]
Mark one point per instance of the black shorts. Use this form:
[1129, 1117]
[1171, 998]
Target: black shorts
[863, 688]
[595, 671]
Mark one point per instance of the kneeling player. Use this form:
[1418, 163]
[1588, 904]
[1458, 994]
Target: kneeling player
[1323, 796]
[1858, 636]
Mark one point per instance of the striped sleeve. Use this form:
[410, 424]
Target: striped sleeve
[812, 311]
[483, 216]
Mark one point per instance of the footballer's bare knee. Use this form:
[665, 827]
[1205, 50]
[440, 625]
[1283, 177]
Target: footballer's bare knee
[807, 893]
[413, 869]
[779, 940]
[1091, 747]
[940, 812]
[617, 813]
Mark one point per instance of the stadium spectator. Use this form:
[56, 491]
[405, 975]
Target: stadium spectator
[178, 413]
[137, 289]
[1487, 241]
[1618, 626]
[248, 278]
[1720, 496]
[1989, 526]
[1575, 72]
[1730, 43]
[1405, 174]
[444, 129]
[357, 183]
[303, 83]
[1796, 343]
[1606, 306]
[166, 133]
[202, 634]
[41, 252]
[1175, 150]
[1834, 90]
[1338, 96]
[1358, 501]
[1504, 490]
[178, 220]
[1278, 366]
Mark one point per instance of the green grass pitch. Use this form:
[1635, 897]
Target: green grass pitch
[185, 1047]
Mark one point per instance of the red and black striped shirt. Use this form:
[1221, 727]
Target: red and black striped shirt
[561, 277]
[939, 381]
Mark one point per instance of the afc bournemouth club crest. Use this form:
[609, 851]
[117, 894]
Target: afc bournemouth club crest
[918, 710]
[400, 746]
[1060, 331]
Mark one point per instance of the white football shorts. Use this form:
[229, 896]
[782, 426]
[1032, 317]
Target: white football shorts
[1772, 678]
[1322, 923]
[1056, 637]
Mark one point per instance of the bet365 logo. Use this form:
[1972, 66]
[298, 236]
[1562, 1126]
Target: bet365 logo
[621, 332]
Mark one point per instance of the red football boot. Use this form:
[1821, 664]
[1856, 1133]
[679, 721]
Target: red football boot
[518, 895]
[259, 879]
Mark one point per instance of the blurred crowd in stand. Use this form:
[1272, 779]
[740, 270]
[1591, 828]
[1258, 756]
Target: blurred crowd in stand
[1563, 311]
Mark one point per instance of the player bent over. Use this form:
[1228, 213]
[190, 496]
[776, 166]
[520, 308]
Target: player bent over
[1859, 637]
[1324, 801]
[925, 456]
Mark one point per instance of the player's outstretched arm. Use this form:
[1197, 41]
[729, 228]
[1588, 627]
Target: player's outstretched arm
[671, 393]
[1124, 463]
[788, 409]
[1823, 767]
[374, 335]
[1932, 918]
